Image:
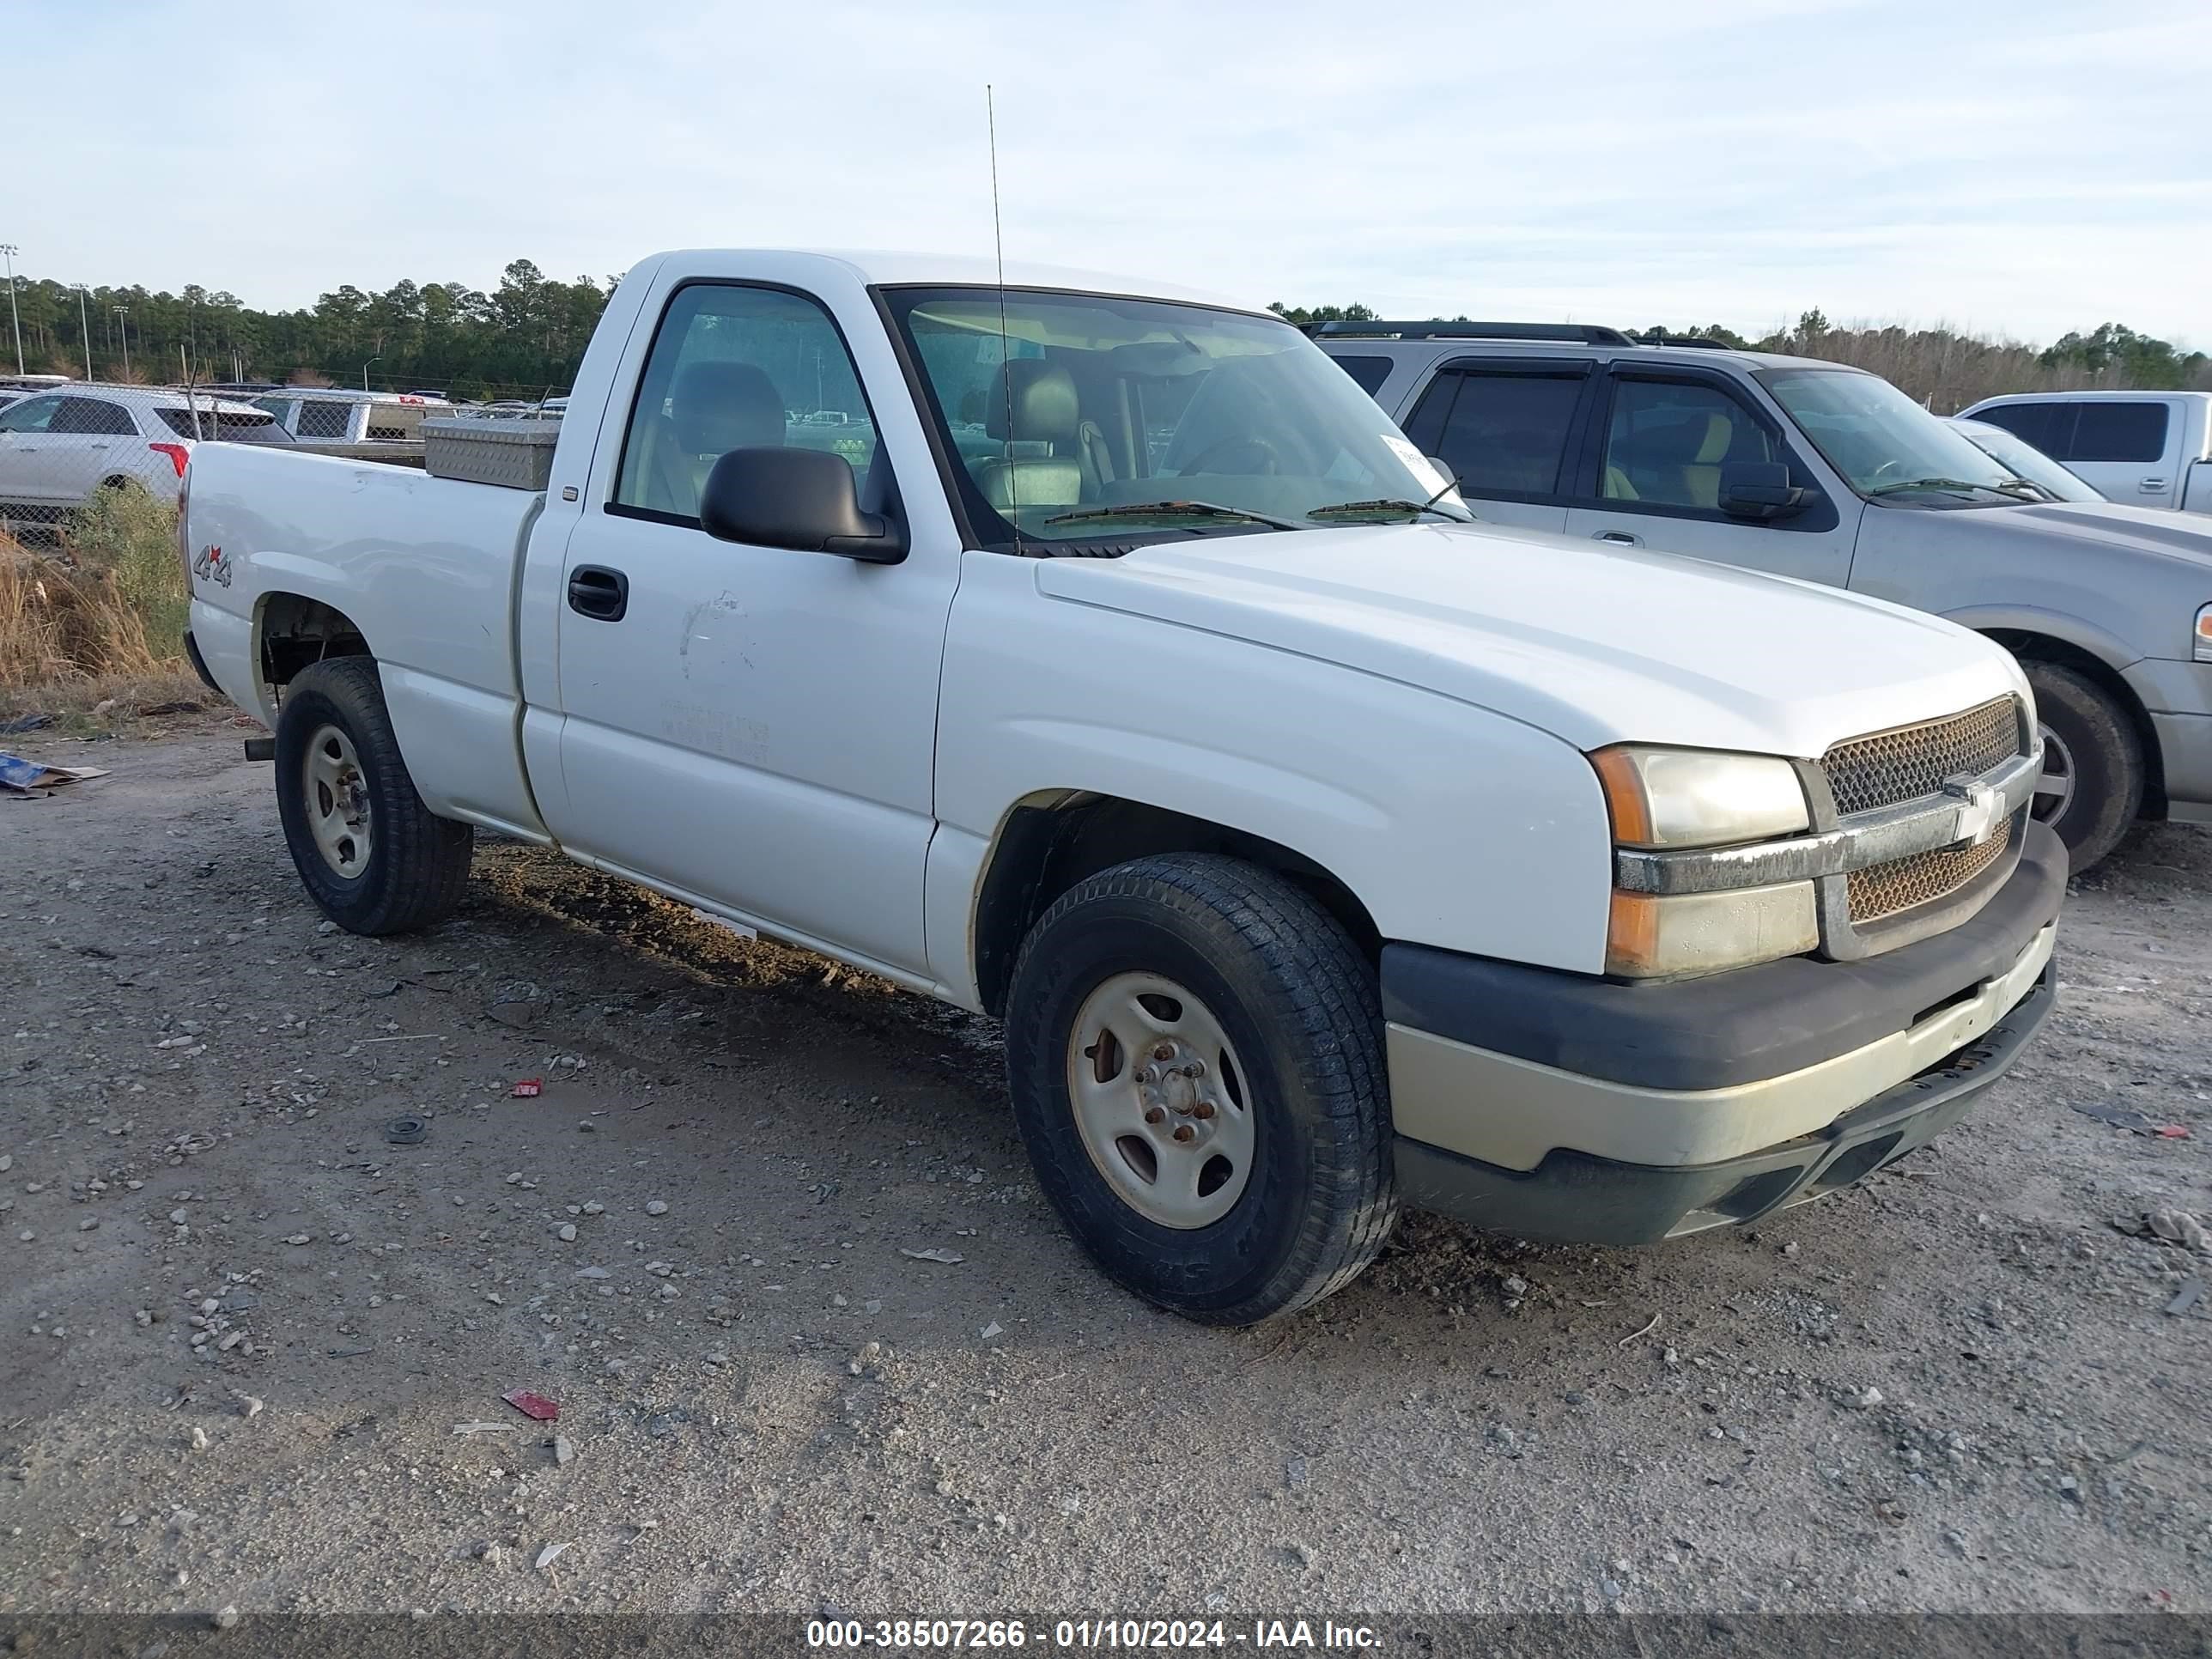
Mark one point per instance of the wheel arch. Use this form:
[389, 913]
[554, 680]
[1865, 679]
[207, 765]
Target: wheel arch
[1052, 839]
[292, 630]
[2030, 644]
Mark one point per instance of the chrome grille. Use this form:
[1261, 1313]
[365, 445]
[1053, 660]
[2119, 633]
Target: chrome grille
[1884, 889]
[1913, 761]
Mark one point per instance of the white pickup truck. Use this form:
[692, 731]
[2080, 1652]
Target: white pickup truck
[2137, 448]
[1098, 657]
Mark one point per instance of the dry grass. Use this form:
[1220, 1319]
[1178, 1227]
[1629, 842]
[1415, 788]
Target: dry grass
[113, 704]
[109, 603]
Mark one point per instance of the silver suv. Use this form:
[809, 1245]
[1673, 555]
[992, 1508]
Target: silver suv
[1817, 471]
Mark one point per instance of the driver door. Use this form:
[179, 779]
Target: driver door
[25, 473]
[752, 726]
[1664, 437]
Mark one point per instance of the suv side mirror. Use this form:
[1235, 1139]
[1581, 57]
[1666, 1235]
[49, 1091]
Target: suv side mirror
[1761, 490]
[800, 499]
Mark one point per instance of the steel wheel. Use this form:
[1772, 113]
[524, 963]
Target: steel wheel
[2054, 788]
[1159, 1101]
[336, 801]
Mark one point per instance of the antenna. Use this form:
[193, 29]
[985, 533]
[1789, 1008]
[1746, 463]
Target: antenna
[1006, 354]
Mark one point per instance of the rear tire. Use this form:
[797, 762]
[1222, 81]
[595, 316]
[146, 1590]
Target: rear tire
[374, 859]
[2092, 786]
[1202, 961]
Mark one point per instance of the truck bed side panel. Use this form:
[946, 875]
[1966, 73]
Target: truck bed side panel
[425, 567]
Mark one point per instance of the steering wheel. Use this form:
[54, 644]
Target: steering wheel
[1260, 455]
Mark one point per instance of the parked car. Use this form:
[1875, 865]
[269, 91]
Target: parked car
[2143, 448]
[320, 416]
[2025, 461]
[57, 449]
[1321, 850]
[1814, 470]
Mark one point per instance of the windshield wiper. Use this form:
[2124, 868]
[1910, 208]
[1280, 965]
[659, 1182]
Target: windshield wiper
[1388, 504]
[1173, 510]
[1345, 509]
[1936, 483]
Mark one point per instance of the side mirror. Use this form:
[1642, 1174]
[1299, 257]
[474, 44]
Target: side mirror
[800, 499]
[1761, 490]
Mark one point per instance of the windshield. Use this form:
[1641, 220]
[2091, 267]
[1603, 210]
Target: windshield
[1075, 417]
[1889, 447]
[2024, 460]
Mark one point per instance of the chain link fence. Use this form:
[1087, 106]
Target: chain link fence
[62, 443]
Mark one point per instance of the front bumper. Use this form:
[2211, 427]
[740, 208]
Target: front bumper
[1563, 1108]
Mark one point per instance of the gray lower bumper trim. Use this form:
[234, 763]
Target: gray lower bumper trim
[1574, 1198]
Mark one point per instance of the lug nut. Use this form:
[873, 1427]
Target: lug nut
[1154, 1114]
[1203, 1109]
[1163, 1051]
[1185, 1133]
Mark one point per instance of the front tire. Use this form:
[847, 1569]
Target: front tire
[1195, 1049]
[2092, 786]
[374, 859]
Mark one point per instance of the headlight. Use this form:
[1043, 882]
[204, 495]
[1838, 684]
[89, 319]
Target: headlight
[1699, 797]
[1678, 797]
[2204, 634]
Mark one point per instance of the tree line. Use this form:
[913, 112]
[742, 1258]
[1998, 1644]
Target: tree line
[524, 339]
[1940, 367]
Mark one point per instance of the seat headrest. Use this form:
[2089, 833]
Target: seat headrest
[1677, 440]
[1033, 401]
[720, 406]
[1719, 432]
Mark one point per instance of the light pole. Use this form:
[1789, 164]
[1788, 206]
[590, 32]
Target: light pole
[10, 250]
[365, 369]
[84, 322]
[123, 328]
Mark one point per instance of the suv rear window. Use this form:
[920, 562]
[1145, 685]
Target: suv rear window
[226, 426]
[1368, 372]
[325, 418]
[1502, 434]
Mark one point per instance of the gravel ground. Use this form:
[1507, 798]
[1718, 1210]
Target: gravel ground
[241, 1325]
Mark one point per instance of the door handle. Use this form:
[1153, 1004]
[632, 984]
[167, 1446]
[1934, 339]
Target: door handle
[1619, 538]
[597, 593]
[2151, 486]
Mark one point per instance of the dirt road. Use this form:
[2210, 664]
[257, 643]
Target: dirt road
[238, 1325]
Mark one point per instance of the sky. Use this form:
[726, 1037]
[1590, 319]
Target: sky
[2016, 167]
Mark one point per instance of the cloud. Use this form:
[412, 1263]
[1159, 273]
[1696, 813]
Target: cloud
[2003, 163]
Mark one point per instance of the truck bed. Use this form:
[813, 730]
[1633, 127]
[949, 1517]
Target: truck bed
[430, 565]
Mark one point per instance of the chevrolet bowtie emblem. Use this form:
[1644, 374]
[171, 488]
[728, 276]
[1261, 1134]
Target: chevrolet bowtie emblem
[1981, 808]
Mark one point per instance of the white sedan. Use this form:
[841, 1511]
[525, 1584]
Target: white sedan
[58, 448]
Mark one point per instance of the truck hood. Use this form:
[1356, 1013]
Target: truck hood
[1594, 645]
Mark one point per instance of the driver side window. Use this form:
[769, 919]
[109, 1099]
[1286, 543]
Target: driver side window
[737, 367]
[31, 414]
[1667, 441]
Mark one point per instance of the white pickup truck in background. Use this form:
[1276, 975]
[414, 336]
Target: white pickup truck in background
[2137, 448]
[1098, 657]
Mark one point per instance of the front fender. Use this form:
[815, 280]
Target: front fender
[2107, 646]
[1454, 826]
